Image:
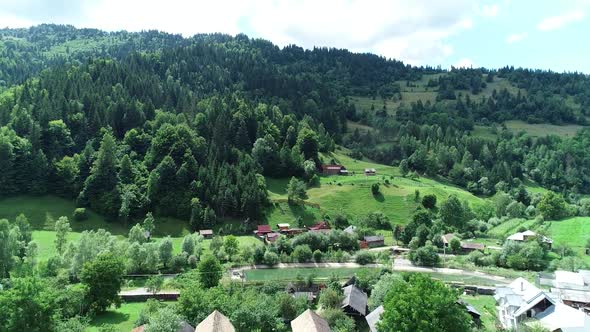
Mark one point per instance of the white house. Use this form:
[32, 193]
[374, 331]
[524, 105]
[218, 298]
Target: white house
[527, 235]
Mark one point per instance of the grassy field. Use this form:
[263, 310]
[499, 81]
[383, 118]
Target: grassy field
[486, 305]
[542, 129]
[351, 195]
[573, 232]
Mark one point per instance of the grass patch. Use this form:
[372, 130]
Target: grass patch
[509, 227]
[542, 129]
[122, 319]
[573, 232]
[486, 305]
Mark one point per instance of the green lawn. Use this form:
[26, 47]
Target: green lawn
[292, 273]
[509, 227]
[486, 305]
[573, 232]
[122, 319]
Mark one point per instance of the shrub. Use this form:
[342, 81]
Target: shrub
[455, 245]
[364, 257]
[80, 214]
[271, 258]
[429, 201]
[302, 253]
[375, 189]
[425, 256]
[317, 256]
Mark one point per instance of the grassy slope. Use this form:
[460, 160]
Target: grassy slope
[352, 196]
[573, 232]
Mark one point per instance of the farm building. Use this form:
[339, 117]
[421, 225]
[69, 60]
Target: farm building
[283, 227]
[374, 317]
[468, 247]
[355, 301]
[309, 321]
[374, 241]
[528, 235]
[215, 322]
[370, 171]
[333, 170]
[446, 239]
[206, 233]
[272, 237]
[262, 230]
[320, 225]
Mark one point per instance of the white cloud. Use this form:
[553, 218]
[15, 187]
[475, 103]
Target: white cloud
[490, 10]
[556, 22]
[516, 37]
[413, 31]
[464, 63]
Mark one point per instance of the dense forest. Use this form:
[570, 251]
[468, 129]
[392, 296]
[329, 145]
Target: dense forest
[189, 127]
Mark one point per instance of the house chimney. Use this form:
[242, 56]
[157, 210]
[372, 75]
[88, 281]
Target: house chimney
[522, 286]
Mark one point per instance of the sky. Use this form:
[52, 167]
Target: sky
[544, 34]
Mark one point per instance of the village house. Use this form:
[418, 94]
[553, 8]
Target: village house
[373, 241]
[527, 236]
[262, 230]
[309, 321]
[572, 288]
[370, 171]
[355, 301]
[521, 301]
[206, 233]
[333, 170]
[215, 322]
[467, 247]
[283, 227]
[446, 239]
[272, 237]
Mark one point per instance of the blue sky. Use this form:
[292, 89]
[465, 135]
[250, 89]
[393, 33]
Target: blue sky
[536, 34]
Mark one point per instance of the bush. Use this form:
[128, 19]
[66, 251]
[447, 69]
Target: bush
[455, 245]
[364, 257]
[429, 201]
[80, 214]
[317, 256]
[302, 253]
[375, 189]
[425, 256]
[271, 258]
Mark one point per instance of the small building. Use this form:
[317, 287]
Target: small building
[355, 301]
[527, 236]
[475, 315]
[446, 239]
[309, 321]
[467, 247]
[283, 227]
[370, 171]
[272, 237]
[215, 322]
[374, 317]
[333, 170]
[374, 241]
[520, 301]
[320, 225]
[350, 229]
[262, 230]
[206, 233]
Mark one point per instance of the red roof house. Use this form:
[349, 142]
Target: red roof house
[333, 170]
[320, 225]
[263, 229]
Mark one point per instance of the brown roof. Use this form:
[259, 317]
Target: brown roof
[309, 321]
[320, 225]
[215, 322]
[264, 229]
[338, 167]
[473, 245]
[446, 239]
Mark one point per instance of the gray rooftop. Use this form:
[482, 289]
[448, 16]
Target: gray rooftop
[355, 299]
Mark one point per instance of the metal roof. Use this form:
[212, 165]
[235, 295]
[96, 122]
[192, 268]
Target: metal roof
[355, 299]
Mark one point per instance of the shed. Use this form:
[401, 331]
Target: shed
[472, 246]
[320, 225]
[370, 171]
[206, 233]
[374, 317]
[475, 315]
[355, 301]
[374, 241]
[309, 321]
[262, 230]
[272, 237]
[333, 170]
[446, 239]
[215, 322]
[283, 227]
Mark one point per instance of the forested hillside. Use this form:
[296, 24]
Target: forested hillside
[190, 127]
